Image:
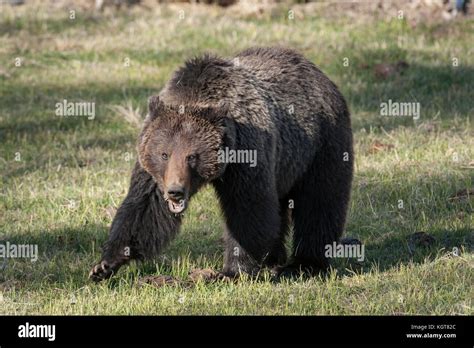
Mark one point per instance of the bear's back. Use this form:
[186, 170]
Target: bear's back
[281, 102]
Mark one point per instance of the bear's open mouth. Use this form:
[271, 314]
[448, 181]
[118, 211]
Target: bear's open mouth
[177, 207]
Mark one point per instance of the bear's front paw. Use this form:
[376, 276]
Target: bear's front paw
[101, 271]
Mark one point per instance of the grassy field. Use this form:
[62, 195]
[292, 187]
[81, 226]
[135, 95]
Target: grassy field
[63, 177]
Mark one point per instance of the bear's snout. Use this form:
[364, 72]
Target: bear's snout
[177, 197]
[176, 192]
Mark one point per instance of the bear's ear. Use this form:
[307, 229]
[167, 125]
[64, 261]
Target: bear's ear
[216, 114]
[155, 105]
[221, 116]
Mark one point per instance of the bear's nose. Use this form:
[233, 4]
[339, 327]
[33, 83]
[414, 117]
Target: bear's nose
[176, 192]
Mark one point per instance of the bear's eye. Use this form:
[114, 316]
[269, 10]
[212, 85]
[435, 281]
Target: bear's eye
[164, 156]
[192, 158]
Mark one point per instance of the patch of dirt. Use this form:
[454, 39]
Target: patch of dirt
[206, 275]
[462, 195]
[378, 146]
[384, 71]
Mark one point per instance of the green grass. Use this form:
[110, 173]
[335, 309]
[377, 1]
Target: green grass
[85, 161]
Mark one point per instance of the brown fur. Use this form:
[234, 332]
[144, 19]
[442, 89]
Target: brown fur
[270, 100]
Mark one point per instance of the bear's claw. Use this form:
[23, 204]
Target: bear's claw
[101, 271]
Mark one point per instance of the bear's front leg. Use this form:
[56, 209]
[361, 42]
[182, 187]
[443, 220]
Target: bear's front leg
[236, 259]
[142, 227]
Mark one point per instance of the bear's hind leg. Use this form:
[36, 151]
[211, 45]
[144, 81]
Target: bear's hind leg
[321, 201]
[278, 255]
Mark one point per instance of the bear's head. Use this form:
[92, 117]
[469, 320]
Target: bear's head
[179, 147]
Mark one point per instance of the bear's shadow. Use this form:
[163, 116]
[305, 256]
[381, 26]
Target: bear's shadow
[387, 251]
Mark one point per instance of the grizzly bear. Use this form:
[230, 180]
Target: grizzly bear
[200, 129]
